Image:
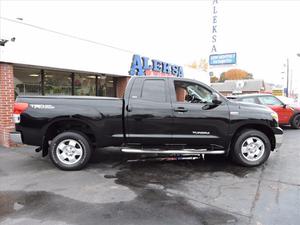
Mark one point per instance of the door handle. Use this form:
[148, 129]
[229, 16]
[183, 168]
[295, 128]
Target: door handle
[180, 109]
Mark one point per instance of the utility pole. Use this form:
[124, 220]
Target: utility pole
[287, 77]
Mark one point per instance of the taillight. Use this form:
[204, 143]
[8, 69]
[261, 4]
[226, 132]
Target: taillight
[19, 107]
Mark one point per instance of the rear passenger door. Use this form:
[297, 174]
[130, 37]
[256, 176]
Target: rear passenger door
[148, 112]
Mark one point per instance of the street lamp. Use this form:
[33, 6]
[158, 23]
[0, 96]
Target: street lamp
[287, 77]
[297, 96]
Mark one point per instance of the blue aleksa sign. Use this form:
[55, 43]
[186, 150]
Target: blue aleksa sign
[143, 66]
[222, 59]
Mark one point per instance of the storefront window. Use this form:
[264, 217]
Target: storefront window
[85, 85]
[27, 81]
[57, 83]
[106, 86]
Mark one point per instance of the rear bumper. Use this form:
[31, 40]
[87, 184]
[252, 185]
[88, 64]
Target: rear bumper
[16, 137]
[278, 132]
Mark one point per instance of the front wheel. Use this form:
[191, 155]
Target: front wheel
[296, 122]
[251, 148]
[70, 150]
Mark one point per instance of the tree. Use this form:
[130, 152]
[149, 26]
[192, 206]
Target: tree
[201, 64]
[214, 79]
[222, 77]
[235, 74]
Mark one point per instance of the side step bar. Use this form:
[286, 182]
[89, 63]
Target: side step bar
[185, 151]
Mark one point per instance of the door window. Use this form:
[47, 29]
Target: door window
[154, 90]
[192, 93]
[269, 100]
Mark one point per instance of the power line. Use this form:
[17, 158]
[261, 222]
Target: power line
[64, 34]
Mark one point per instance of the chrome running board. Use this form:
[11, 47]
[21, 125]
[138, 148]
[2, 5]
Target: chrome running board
[181, 152]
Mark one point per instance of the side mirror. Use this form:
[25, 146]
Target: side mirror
[284, 106]
[216, 99]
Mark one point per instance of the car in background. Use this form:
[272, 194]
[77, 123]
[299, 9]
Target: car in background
[288, 114]
[287, 101]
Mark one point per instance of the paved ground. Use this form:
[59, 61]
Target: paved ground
[113, 191]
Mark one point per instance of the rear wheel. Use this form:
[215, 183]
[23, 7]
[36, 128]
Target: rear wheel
[251, 148]
[296, 122]
[70, 150]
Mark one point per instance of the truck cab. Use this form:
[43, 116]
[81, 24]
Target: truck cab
[179, 112]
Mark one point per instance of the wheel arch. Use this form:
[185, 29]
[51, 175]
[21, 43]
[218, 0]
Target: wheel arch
[292, 117]
[260, 127]
[66, 124]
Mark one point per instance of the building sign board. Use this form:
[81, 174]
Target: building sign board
[277, 92]
[214, 26]
[222, 59]
[142, 66]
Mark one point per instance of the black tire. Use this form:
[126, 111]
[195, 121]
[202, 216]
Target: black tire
[240, 142]
[79, 142]
[296, 122]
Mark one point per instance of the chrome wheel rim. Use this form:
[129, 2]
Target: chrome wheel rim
[69, 151]
[253, 149]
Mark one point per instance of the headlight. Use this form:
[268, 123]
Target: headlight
[275, 116]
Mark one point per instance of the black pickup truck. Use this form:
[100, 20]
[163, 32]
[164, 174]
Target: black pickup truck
[160, 115]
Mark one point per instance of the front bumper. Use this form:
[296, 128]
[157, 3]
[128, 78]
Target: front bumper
[16, 137]
[278, 132]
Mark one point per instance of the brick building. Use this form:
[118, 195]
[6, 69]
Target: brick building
[6, 103]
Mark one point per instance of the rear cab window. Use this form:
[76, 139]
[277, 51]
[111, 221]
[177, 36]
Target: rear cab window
[149, 89]
[154, 90]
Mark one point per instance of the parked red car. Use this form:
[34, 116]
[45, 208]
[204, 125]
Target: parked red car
[287, 114]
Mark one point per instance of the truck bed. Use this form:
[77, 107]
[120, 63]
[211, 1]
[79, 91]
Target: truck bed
[103, 116]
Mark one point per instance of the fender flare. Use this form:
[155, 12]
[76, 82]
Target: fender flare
[292, 117]
[45, 129]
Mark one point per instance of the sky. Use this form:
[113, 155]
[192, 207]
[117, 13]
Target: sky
[263, 33]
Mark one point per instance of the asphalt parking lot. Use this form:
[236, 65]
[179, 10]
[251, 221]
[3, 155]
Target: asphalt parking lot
[113, 191]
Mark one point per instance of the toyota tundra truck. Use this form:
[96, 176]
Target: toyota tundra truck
[157, 115]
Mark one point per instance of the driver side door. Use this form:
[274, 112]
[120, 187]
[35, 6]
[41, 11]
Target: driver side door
[195, 124]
